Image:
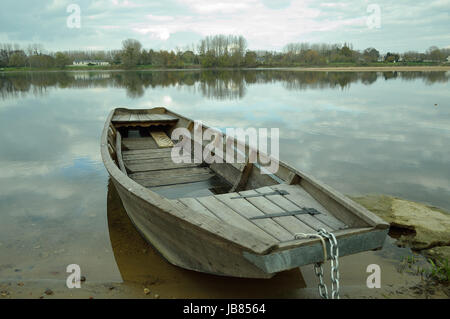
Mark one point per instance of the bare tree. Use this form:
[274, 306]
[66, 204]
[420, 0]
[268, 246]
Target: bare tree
[131, 52]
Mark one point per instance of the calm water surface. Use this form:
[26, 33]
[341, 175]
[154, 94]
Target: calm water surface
[360, 133]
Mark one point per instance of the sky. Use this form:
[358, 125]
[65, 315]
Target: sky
[396, 26]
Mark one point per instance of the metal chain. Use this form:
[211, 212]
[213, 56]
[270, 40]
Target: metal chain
[334, 253]
[334, 257]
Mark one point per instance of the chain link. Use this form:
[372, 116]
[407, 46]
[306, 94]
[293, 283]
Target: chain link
[323, 291]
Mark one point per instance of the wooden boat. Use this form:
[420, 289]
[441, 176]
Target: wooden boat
[225, 218]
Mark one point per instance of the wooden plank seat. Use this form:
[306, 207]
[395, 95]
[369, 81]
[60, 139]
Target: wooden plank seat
[143, 120]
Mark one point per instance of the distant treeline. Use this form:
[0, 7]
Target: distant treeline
[212, 84]
[211, 52]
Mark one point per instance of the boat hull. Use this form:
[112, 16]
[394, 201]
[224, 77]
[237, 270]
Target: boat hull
[187, 237]
[188, 249]
[184, 246]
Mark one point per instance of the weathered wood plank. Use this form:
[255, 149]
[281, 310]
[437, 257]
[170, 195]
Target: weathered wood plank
[226, 171]
[139, 143]
[119, 153]
[241, 182]
[287, 205]
[256, 179]
[196, 206]
[349, 233]
[150, 118]
[292, 224]
[174, 180]
[188, 190]
[134, 117]
[167, 117]
[150, 155]
[141, 124]
[247, 210]
[147, 151]
[112, 152]
[293, 178]
[166, 159]
[163, 117]
[112, 131]
[160, 165]
[112, 141]
[143, 117]
[230, 216]
[161, 139]
[121, 117]
[173, 172]
[301, 198]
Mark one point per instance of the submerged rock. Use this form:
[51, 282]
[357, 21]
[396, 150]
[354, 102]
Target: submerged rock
[425, 226]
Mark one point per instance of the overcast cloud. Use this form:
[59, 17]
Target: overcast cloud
[266, 24]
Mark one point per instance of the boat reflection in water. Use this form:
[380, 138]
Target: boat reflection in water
[139, 263]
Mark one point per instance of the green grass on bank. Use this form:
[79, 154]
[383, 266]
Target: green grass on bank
[440, 270]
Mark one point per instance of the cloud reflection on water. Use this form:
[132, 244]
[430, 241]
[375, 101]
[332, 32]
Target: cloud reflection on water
[359, 132]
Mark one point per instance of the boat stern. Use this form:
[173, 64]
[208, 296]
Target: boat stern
[291, 255]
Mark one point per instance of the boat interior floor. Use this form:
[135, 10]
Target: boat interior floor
[277, 212]
[152, 166]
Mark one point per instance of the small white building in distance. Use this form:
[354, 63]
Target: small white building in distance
[90, 62]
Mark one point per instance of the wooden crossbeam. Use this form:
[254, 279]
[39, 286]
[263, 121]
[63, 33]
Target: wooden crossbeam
[310, 211]
[276, 192]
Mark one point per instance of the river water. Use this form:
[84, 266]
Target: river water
[361, 133]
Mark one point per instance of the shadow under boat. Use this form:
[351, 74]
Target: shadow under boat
[139, 263]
